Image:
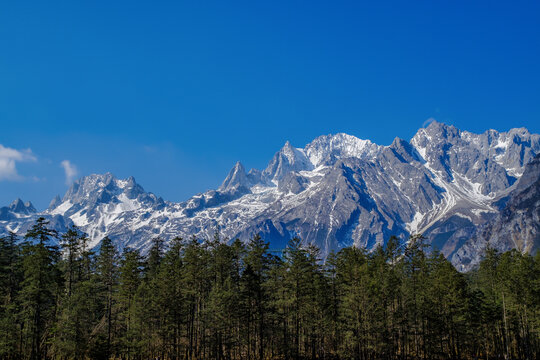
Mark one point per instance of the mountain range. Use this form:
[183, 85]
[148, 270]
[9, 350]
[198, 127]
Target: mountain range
[462, 191]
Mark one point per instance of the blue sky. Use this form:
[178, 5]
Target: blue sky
[174, 93]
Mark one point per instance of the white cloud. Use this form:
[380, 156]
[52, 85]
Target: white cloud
[428, 121]
[8, 162]
[70, 170]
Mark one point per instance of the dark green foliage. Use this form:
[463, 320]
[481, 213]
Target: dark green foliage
[230, 300]
[40, 289]
[11, 277]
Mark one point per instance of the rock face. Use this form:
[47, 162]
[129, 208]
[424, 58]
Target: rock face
[516, 226]
[451, 185]
[16, 209]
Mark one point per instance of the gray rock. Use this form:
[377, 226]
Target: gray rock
[461, 190]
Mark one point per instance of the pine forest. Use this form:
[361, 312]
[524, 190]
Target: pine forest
[218, 299]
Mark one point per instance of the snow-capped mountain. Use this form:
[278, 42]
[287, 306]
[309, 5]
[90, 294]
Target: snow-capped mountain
[336, 191]
[16, 209]
[516, 226]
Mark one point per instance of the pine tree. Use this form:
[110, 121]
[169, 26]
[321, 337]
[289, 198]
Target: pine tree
[352, 273]
[170, 299]
[257, 262]
[71, 246]
[129, 280]
[80, 305]
[149, 312]
[196, 282]
[10, 281]
[41, 286]
[106, 275]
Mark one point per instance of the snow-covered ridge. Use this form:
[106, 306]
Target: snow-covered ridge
[338, 190]
[340, 145]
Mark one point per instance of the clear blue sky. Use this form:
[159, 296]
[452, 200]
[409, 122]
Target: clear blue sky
[174, 93]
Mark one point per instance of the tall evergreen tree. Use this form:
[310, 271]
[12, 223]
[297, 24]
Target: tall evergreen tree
[107, 275]
[79, 309]
[41, 286]
[129, 280]
[10, 280]
[257, 262]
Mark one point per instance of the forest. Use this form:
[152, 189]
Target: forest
[217, 299]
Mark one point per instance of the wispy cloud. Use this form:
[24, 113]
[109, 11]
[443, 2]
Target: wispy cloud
[70, 170]
[428, 121]
[8, 162]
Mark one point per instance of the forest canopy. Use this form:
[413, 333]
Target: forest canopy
[216, 299]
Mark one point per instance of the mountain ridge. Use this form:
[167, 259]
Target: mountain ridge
[337, 191]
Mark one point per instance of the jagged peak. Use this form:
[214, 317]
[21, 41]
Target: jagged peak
[398, 142]
[19, 206]
[339, 137]
[353, 173]
[434, 131]
[434, 125]
[91, 181]
[105, 176]
[287, 159]
[440, 127]
[290, 152]
[17, 202]
[237, 177]
[89, 186]
[103, 180]
[238, 165]
[522, 132]
[126, 184]
[339, 145]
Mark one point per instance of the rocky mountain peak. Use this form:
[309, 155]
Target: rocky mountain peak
[237, 178]
[287, 159]
[442, 130]
[434, 134]
[17, 209]
[90, 187]
[337, 191]
[20, 207]
[132, 189]
[93, 191]
[327, 149]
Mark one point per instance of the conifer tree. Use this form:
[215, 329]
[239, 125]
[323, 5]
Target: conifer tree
[106, 275]
[257, 262]
[170, 299]
[80, 305]
[10, 279]
[129, 280]
[40, 288]
[71, 246]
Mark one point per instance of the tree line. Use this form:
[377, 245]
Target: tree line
[234, 300]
